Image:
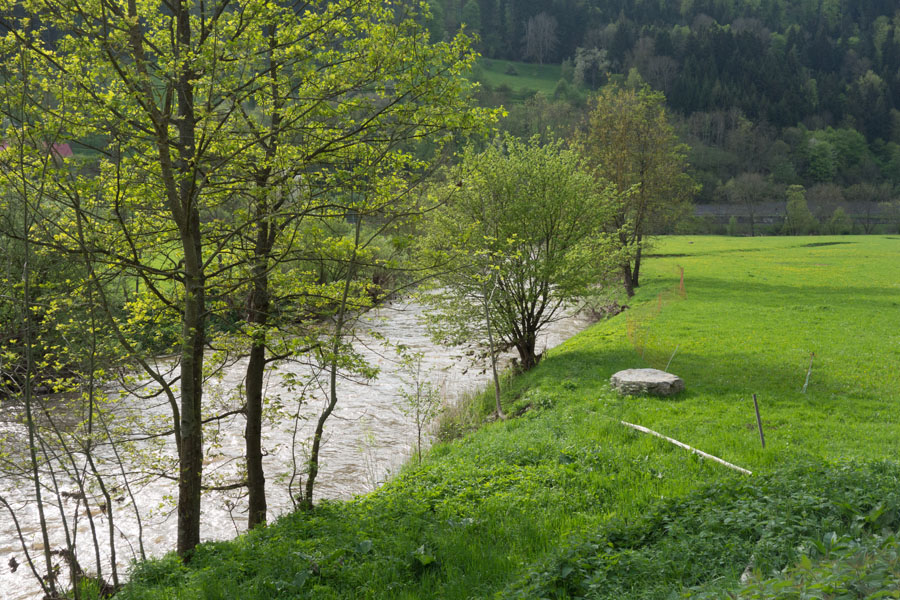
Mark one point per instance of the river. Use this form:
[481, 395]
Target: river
[366, 438]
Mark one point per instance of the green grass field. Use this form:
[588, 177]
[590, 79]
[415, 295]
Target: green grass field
[529, 77]
[564, 502]
[755, 310]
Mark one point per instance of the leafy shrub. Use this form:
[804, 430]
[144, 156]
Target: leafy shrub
[165, 571]
[534, 399]
[732, 227]
[846, 567]
[706, 540]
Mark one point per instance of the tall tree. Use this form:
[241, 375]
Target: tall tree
[591, 65]
[471, 15]
[374, 113]
[146, 80]
[798, 220]
[540, 38]
[630, 143]
[749, 190]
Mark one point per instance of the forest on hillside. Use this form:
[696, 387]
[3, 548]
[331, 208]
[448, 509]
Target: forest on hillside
[767, 93]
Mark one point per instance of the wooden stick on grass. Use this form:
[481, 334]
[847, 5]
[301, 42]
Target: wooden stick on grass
[671, 357]
[812, 355]
[762, 438]
[686, 447]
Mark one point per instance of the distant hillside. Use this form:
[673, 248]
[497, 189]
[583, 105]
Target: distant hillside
[835, 61]
[803, 92]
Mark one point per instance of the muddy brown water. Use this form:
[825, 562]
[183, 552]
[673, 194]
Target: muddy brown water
[367, 438]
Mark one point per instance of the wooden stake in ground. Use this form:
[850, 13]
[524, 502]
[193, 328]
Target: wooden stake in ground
[762, 438]
[686, 447]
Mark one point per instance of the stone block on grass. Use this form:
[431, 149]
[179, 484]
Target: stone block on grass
[653, 382]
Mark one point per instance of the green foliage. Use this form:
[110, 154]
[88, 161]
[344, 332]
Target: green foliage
[420, 398]
[435, 20]
[822, 157]
[842, 566]
[840, 223]
[236, 141]
[732, 227]
[713, 533]
[471, 15]
[779, 67]
[628, 141]
[798, 220]
[590, 68]
[519, 238]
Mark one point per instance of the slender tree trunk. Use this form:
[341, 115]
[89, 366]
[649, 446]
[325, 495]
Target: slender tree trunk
[493, 353]
[193, 340]
[307, 502]
[187, 215]
[50, 586]
[636, 272]
[180, 180]
[89, 445]
[627, 280]
[191, 467]
[257, 318]
[258, 313]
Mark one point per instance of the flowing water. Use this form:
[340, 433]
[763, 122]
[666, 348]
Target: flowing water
[367, 437]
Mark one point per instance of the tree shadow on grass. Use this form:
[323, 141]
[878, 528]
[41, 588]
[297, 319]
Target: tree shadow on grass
[779, 295]
[820, 244]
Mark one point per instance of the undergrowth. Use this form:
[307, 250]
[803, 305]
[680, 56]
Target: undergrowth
[705, 541]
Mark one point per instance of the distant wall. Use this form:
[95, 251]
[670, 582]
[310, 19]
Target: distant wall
[772, 213]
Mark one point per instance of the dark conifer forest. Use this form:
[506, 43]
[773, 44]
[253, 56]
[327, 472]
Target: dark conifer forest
[767, 93]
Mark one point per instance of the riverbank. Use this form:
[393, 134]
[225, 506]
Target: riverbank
[368, 438]
[562, 501]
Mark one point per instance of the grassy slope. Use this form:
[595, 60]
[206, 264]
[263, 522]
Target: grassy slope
[483, 512]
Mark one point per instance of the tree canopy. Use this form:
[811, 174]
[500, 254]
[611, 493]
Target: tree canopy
[521, 237]
[629, 142]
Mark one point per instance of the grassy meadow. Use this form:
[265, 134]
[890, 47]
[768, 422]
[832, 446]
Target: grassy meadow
[561, 501]
[521, 77]
[753, 313]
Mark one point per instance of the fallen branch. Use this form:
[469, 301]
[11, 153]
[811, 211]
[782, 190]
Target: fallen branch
[686, 447]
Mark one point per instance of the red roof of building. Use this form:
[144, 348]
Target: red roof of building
[58, 150]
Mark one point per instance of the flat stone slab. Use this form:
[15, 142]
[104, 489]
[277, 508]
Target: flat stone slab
[646, 381]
